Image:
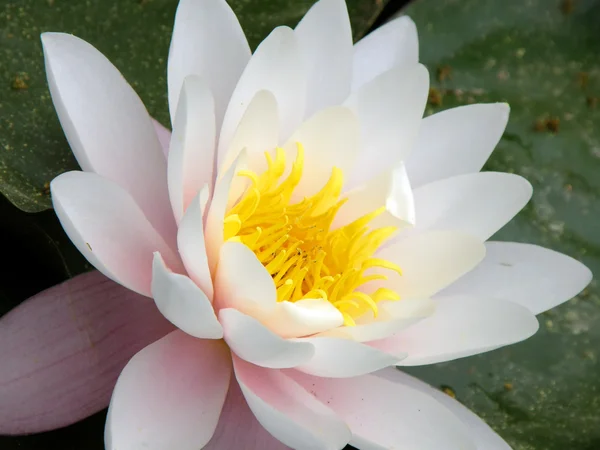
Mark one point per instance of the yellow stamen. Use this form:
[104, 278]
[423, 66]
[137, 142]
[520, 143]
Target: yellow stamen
[295, 243]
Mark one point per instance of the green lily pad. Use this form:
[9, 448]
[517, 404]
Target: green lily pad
[135, 36]
[543, 58]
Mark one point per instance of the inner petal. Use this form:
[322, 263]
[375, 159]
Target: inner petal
[296, 245]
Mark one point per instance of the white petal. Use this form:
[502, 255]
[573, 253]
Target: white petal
[207, 41]
[253, 342]
[456, 141]
[390, 109]
[242, 282]
[431, 261]
[288, 411]
[107, 126]
[191, 244]
[192, 146]
[394, 44]
[343, 358]
[325, 38]
[163, 134]
[478, 204]
[461, 326]
[387, 415]
[331, 138]
[183, 303]
[109, 229]
[532, 276]
[276, 66]
[170, 395]
[478, 431]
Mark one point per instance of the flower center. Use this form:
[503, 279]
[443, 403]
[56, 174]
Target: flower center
[296, 245]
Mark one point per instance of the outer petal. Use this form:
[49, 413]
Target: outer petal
[192, 152]
[207, 41]
[107, 126]
[169, 395]
[431, 261]
[456, 141]
[183, 303]
[325, 38]
[390, 109]
[251, 341]
[386, 415]
[479, 432]
[461, 326]
[532, 276]
[63, 349]
[109, 229]
[276, 66]
[478, 204]
[394, 44]
[287, 411]
[163, 134]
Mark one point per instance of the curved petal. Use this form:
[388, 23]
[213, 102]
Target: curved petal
[63, 349]
[478, 204]
[253, 342]
[343, 358]
[385, 415]
[287, 411]
[207, 41]
[169, 395]
[191, 244]
[183, 303]
[107, 126]
[276, 66]
[461, 326]
[431, 261]
[535, 277]
[479, 432]
[246, 433]
[163, 134]
[109, 229]
[394, 44]
[390, 109]
[325, 39]
[192, 147]
[456, 141]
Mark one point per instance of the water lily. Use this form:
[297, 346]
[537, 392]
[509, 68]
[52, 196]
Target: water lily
[303, 228]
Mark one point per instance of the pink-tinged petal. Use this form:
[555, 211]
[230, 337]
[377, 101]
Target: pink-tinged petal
[276, 66]
[238, 428]
[63, 349]
[183, 303]
[478, 203]
[344, 358]
[331, 138]
[325, 38]
[385, 415]
[390, 109]
[288, 411]
[170, 395]
[191, 243]
[207, 41]
[456, 141]
[461, 326]
[109, 229]
[535, 277]
[479, 432]
[192, 147]
[253, 342]
[431, 261]
[393, 44]
[242, 282]
[163, 134]
[107, 125]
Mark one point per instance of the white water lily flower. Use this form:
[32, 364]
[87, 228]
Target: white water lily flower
[306, 229]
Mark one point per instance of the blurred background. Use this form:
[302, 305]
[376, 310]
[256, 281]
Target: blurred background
[541, 56]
